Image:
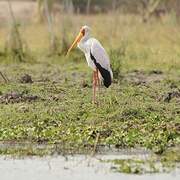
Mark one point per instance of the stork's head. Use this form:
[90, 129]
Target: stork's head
[84, 33]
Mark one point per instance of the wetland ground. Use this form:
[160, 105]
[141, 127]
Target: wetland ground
[47, 100]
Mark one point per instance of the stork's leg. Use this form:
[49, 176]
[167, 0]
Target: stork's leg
[98, 83]
[94, 86]
[98, 80]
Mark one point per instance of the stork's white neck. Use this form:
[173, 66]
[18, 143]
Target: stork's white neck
[83, 44]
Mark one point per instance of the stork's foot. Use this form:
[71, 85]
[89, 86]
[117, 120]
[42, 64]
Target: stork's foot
[94, 100]
[95, 103]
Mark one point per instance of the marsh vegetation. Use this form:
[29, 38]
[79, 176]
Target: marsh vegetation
[47, 98]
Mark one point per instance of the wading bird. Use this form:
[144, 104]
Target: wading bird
[96, 57]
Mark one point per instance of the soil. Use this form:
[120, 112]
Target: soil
[15, 97]
[26, 78]
[171, 95]
[140, 77]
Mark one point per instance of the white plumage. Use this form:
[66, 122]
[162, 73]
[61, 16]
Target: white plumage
[87, 45]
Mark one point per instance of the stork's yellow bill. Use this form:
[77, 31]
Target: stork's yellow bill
[77, 40]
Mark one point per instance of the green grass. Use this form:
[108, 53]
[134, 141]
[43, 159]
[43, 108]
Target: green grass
[128, 115]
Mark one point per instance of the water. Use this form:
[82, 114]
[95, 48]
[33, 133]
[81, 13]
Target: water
[78, 167]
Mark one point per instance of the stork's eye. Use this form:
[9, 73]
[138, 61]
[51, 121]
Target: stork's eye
[83, 31]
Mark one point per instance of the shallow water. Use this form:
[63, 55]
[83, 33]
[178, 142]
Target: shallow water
[78, 167]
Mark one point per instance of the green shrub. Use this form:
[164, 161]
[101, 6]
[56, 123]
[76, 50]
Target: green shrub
[116, 56]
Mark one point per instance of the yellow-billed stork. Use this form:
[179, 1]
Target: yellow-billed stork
[96, 57]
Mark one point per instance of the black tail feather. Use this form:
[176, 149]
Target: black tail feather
[106, 75]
